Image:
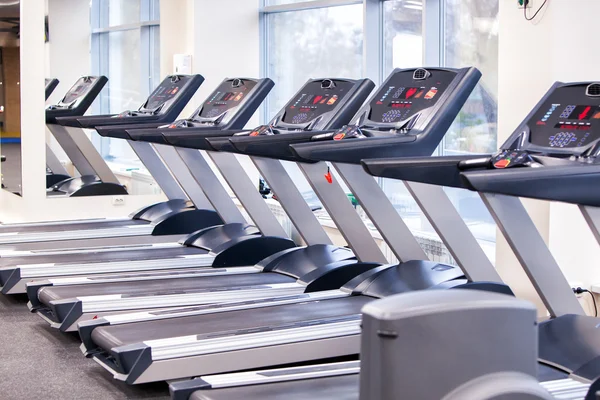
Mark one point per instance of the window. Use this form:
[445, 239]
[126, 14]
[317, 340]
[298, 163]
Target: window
[312, 43]
[468, 37]
[402, 34]
[369, 38]
[296, 53]
[125, 48]
[471, 38]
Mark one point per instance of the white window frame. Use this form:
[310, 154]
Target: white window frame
[100, 58]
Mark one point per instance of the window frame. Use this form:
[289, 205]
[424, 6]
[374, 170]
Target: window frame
[147, 26]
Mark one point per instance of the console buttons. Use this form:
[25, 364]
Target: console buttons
[503, 163]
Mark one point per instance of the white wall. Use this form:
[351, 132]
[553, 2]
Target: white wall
[190, 27]
[532, 56]
[69, 45]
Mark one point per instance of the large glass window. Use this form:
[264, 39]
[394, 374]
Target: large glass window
[315, 38]
[471, 39]
[402, 34]
[125, 48]
[314, 43]
[310, 43]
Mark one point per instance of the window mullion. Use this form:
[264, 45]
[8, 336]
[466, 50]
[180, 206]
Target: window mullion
[432, 33]
[307, 5]
[373, 58]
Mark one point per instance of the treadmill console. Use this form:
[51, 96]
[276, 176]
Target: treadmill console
[78, 99]
[407, 116]
[226, 102]
[316, 99]
[407, 96]
[317, 102]
[76, 93]
[162, 98]
[564, 124]
[228, 95]
[566, 121]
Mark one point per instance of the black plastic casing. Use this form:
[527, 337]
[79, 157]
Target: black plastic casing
[233, 118]
[81, 105]
[169, 111]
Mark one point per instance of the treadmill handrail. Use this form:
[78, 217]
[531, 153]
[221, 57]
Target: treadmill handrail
[274, 146]
[120, 131]
[443, 171]
[93, 121]
[553, 183]
[196, 138]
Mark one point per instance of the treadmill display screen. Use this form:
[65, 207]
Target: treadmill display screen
[228, 95]
[403, 97]
[568, 119]
[163, 93]
[315, 100]
[79, 89]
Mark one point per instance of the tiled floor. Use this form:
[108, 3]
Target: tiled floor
[38, 362]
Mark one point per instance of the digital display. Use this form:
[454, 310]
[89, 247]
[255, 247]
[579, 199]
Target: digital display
[79, 89]
[314, 100]
[225, 97]
[403, 97]
[568, 119]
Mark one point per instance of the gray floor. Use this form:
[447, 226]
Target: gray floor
[11, 168]
[38, 362]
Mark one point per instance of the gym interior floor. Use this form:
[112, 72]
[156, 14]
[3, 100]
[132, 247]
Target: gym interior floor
[11, 168]
[39, 362]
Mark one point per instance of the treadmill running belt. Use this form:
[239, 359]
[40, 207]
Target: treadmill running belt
[152, 287]
[88, 243]
[344, 387]
[107, 337]
[72, 227]
[336, 387]
[96, 257]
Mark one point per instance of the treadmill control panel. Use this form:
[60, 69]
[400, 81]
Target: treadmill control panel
[76, 93]
[405, 97]
[315, 99]
[511, 159]
[228, 95]
[345, 132]
[162, 96]
[166, 91]
[262, 130]
[406, 94]
[568, 120]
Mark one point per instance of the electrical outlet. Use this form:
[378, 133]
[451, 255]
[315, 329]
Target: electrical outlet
[576, 285]
[118, 200]
[522, 3]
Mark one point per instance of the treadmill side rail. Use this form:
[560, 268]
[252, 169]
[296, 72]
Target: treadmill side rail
[191, 356]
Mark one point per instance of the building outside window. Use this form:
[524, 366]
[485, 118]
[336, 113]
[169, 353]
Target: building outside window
[126, 48]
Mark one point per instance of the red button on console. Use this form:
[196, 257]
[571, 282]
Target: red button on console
[339, 136]
[502, 163]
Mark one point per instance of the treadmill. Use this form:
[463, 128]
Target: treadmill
[531, 163]
[143, 253]
[552, 156]
[288, 272]
[168, 222]
[76, 102]
[164, 349]
[163, 106]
